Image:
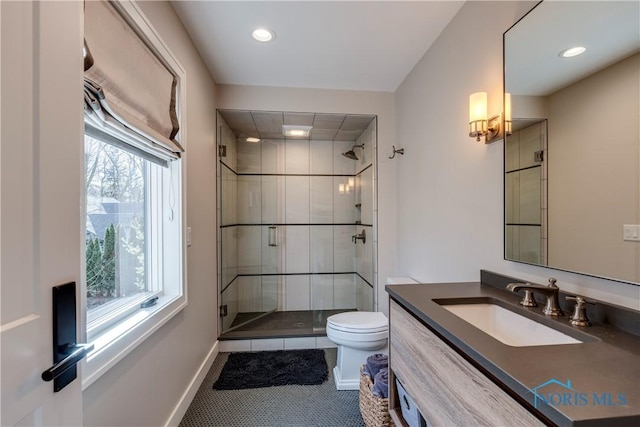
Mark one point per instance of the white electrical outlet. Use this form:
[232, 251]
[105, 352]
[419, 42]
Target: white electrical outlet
[631, 233]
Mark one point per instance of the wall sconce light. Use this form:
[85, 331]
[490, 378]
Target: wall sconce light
[479, 125]
[507, 113]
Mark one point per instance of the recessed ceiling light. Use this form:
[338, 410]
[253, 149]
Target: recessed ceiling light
[571, 52]
[263, 34]
[296, 130]
[252, 139]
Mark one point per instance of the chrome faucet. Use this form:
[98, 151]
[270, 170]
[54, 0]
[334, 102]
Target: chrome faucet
[551, 308]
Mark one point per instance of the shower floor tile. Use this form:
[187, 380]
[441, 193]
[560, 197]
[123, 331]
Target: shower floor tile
[280, 324]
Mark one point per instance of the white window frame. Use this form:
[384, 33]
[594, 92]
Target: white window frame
[122, 336]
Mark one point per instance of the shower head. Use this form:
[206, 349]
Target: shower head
[351, 154]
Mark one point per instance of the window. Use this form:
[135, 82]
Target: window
[134, 248]
[118, 241]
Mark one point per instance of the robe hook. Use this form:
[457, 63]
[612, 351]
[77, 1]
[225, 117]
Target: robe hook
[399, 151]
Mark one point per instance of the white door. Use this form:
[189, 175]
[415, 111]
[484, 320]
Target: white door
[41, 183]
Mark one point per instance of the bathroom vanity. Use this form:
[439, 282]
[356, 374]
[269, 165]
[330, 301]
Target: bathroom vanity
[459, 374]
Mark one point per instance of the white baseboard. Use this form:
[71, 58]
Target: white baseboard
[186, 398]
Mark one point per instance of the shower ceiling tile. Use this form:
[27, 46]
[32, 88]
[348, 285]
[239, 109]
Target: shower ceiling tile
[239, 121]
[347, 135]
[268, 124]
[328, 121]
[356, 122]
[300, 119]
[271, 135]
[323, 134]
[268, 121]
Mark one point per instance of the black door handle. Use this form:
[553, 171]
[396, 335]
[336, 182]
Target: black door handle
[66, 353]
[78, 352]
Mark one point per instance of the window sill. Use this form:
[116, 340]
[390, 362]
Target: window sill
[120, 340]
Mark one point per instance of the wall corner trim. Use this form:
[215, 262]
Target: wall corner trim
[185, 400]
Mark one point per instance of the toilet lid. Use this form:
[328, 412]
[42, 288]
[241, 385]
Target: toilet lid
[358, 322]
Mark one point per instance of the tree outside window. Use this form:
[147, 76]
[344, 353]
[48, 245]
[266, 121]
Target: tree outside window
[115, 182]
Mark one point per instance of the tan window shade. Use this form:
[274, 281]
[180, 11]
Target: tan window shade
[126, 83]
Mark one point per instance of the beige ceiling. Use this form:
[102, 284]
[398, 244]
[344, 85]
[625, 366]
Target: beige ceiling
[610, 30]
[354, 45]
[268, 124]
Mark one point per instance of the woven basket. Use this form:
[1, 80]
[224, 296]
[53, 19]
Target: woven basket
[374, 410]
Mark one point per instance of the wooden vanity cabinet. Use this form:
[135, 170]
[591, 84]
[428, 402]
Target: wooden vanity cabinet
[446, 388]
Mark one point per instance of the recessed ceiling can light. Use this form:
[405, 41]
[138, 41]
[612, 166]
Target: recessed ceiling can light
[263, 34]
[252, 139]
[572, 51]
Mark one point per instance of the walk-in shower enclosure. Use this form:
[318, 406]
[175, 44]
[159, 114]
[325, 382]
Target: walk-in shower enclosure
[292, 214]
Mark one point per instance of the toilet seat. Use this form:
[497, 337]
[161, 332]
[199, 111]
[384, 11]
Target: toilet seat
[358, 322]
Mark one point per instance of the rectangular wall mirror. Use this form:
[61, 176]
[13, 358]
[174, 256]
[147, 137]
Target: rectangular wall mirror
[572, 156]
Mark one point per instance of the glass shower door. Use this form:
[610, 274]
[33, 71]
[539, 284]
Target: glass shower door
[249, 253]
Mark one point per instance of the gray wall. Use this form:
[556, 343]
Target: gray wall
[593, 172]
[144, 388]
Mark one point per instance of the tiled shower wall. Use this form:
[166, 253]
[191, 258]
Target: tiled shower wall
[366, 266]
[308, 191]
[526, 195]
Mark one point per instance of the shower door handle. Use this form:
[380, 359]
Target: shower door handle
[273, 235]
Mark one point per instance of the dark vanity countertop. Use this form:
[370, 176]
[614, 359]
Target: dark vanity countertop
[607, 364]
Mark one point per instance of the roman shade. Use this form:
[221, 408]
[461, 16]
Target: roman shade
[129, 93]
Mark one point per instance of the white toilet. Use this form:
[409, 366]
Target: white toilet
[358, 334]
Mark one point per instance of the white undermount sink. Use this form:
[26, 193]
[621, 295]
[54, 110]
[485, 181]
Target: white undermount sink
[508, 327]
